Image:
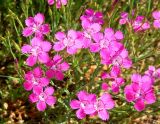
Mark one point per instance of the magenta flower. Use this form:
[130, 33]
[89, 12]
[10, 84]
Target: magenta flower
[90, 29]
[116, 55]
[104, 86]
[92, 17]
[56, 68]
[72, 41]
[35, 25]
[114, 76]
[37, 51]
[43, 97]
[100, 106]
[139, 24]
[103, 41]
[153, 72]
[124, 18]
[140, 91]
[59, 3]
[35, 79]
[84, 100]
[156, 16]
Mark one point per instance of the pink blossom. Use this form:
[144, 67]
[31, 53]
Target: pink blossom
[103, 41]
[105, 86]
[140, 91]
[153, 72]
[35, 25]
[42, 97]
[92, 17]
[84, 100]
[139, 24]
[124, 18]
[35, 79]
[59, 3]
[100, 106]
[56, 68]
[89, 30]
[37, 51]
[156, 16]
[72, 41]
[116, 55]
[115, 78]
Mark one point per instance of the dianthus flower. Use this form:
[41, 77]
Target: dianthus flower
[124, 18]
[35, 79]
[139, 24]
[116, 55]
[37, 51]
[89, 30]
[92, 17]
[156, 16]
[42, 97]
[100, 106]
[35, 25]
[59, 3]
[84, 100]
[103, 41]
[140, 91]
[153, 72]
[56, 68]
[72, 41]
[115, 78]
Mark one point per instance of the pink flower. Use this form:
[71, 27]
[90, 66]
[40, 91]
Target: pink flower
[90, 29]
[139, 24]
[140, 91]
[100, 106]
[84, 100]
[72, 41]
[59, 3]
[92, 17]
[103, 41]
[56, 68]
[124, 18]
[105, 86]
[35, 79]
[43, 97]
[156, 16]
[153, 72]
[115, 78]
[116, 55]
[37, 51]
[35, 25]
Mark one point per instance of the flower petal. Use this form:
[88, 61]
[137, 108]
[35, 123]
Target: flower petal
[39, 18]
[41, 106]
[51, 100]
[103, 114]
[80, 114]
[27, 31]
[33, 98]
[75, 104]
[49, 90]
[31, 60]
[43, 57]
[139, 105]
[26, 49]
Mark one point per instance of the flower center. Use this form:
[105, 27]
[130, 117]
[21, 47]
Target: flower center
[42, 96]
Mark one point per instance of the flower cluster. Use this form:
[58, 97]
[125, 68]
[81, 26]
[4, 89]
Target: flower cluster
[140, 23]
[37, 51]
[88, 104]
[59, 3]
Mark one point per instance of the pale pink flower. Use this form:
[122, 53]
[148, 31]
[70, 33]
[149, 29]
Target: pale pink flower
[42, 97]
[59, 3]
[37, 51]
[72, 41]
[35, 25]
[156, 16]
[140, 91]
[92, 17]
[35, 79]
[56, 68]
[84, 100]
